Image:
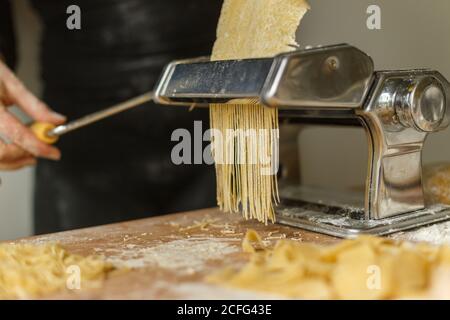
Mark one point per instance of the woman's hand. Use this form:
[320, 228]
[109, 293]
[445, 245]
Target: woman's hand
[24, 147]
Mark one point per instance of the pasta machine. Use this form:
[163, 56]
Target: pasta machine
[338, 85]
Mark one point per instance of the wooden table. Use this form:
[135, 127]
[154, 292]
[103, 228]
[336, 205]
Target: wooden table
[170, 256]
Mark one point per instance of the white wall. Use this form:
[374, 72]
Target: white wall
[415, 34]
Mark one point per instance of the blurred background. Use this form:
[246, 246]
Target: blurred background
[414, 34]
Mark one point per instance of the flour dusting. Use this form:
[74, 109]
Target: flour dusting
[435, 234]
[185, 255]
[61, 238]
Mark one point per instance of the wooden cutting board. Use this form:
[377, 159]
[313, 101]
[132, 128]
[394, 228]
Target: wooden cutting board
[169, 256]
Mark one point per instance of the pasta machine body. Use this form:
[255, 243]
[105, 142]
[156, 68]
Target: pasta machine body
[336, 85]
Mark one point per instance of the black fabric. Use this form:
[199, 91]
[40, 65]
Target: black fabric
[7, 39]
[119, 169]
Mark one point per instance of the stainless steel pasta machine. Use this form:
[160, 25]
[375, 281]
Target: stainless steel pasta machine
[337, 85]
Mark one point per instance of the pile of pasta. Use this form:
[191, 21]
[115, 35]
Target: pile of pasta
[365, 268]
[29, 271]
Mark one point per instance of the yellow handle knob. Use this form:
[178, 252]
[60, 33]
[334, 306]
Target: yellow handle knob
[41, 129]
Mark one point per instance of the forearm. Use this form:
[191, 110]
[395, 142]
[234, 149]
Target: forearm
[7, 36]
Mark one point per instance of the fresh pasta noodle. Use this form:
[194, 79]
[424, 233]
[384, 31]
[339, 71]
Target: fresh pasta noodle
[28, 271]
[246, 168]
[243, 171]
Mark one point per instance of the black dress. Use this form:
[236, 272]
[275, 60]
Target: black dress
[121, 168]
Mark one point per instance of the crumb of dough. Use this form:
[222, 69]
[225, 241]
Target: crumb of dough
[252, 241]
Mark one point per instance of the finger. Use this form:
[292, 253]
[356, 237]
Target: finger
[18, 164]
[11, 152]
[16, 93]
[22, 136]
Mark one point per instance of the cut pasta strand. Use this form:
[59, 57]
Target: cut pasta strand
[245, 181]
[246, 154]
